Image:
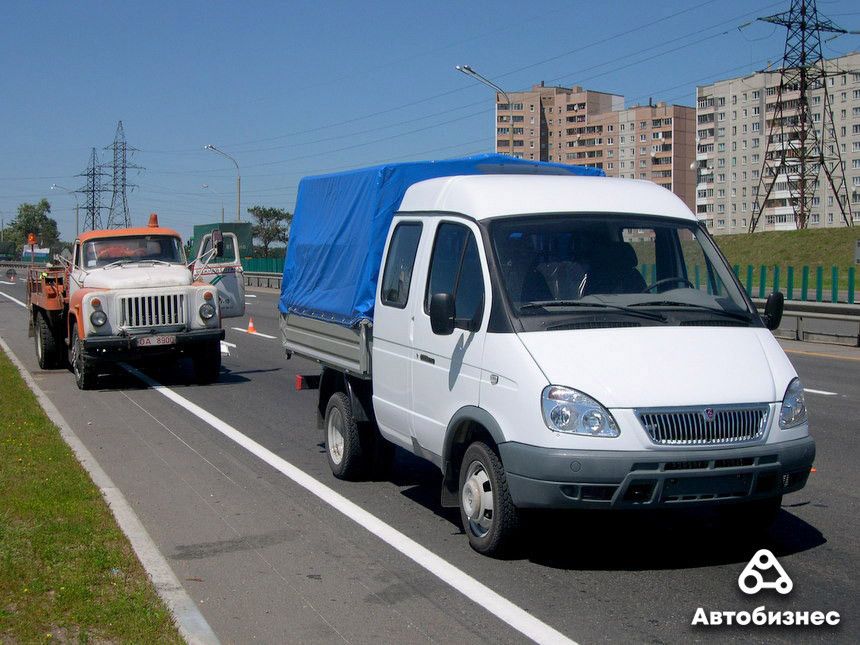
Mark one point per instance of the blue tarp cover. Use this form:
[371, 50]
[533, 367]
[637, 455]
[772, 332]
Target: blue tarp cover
[340, 223]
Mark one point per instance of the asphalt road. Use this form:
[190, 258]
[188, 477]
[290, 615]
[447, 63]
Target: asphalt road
[268, 561]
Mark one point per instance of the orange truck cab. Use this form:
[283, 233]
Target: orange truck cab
[126, 295]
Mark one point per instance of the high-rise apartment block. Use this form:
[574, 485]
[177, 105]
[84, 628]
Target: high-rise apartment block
[733, 122]
[588, 128]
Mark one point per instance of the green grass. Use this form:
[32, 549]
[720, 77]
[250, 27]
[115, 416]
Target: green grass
[67, 573]
[811, 247]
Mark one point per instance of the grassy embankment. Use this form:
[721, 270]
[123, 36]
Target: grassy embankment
[812, 247]
[67, 573]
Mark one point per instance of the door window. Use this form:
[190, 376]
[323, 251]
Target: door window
[399, 264]
[229, 250]
[455, 268]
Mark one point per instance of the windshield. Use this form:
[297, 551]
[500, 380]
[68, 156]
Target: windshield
[580, 270]
[133, 248]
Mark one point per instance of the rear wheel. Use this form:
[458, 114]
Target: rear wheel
[344, 452]
[48, 350]
[207, 363]
[490, 519]
[84, 370]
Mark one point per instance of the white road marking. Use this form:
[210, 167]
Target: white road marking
[7, 282]
[499, 606]
[824, 392]
[252, 333]
[225, 349]
[15, 300]
[248, 295]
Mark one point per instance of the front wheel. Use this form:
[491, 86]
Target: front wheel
[207, 363]
[83, 369]
[490, 519]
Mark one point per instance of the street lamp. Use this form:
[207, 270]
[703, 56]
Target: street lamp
[77, 205]
[238, 178]
[207, 187]
[468, 71]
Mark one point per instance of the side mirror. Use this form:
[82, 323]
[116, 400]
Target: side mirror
[442, 314]
[773, 310]
[218, 242]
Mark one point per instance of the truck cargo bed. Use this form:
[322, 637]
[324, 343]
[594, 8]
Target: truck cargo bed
[344, 348]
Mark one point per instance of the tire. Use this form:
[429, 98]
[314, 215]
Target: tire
[343, 444]
[490, 519]
[48, 350]
[752, 518]
[83, 369]
[207, 363]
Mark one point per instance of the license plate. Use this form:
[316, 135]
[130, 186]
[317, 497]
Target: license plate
[156, 341]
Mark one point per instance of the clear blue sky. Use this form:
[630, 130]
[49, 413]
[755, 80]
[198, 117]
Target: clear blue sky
[297, 88]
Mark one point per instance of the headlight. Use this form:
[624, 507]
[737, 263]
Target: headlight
[570, 411]
[98, 318]
[207, 310]
[793, 410]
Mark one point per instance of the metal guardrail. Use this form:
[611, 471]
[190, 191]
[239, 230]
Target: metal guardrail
[260, 279]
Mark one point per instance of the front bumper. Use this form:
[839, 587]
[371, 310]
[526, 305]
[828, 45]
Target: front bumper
[549, 478]
[119, 348]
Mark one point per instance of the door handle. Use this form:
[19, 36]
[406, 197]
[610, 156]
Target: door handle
[426, 359]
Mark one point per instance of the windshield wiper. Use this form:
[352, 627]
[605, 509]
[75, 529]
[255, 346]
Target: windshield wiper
[543, 304]
[117, 263]
[737, 315]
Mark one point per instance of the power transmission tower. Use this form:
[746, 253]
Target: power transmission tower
[797, 151]
[118, 214]
[92, 191]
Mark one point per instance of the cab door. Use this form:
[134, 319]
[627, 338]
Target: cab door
[225, 273]
[446, 369]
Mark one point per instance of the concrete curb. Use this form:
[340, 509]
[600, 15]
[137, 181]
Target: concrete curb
[190, 622]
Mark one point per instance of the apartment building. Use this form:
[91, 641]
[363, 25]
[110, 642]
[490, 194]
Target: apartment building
[589, 128]
[733, 119]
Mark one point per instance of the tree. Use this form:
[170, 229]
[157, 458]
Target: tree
[33, 218]
[273, 226]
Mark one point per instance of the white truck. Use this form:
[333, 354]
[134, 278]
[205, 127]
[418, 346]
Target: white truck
[548, 340]
[128, 295]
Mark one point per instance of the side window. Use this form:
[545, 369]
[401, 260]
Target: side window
[397, 275]
[455, 268]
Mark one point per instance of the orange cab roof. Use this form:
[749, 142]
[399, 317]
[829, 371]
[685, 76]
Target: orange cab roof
[127, 232]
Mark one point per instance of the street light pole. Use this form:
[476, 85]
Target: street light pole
[238, 178]
[77, 206]
[468, 71]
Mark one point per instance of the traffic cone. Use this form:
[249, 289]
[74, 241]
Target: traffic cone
[251, 328]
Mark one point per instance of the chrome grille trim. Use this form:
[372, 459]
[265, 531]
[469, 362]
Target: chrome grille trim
[694, 426]
[146, 312]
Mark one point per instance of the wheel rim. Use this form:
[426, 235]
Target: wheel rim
[334, 435]
[477, 499]
[75, 356]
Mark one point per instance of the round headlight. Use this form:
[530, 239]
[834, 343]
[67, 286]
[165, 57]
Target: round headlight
[207, 310]
[98, 318]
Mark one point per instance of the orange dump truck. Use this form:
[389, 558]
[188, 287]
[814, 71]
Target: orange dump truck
[126, 295]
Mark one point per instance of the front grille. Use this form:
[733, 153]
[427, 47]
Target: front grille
[705, 426]
[152, 311]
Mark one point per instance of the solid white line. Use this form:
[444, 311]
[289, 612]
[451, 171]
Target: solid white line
[6, 282]
[252, 333]
[15, 300]
[824, 392]
[501, 607]
[190, 622]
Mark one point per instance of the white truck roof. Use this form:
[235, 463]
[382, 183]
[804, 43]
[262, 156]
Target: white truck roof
[484, 196]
